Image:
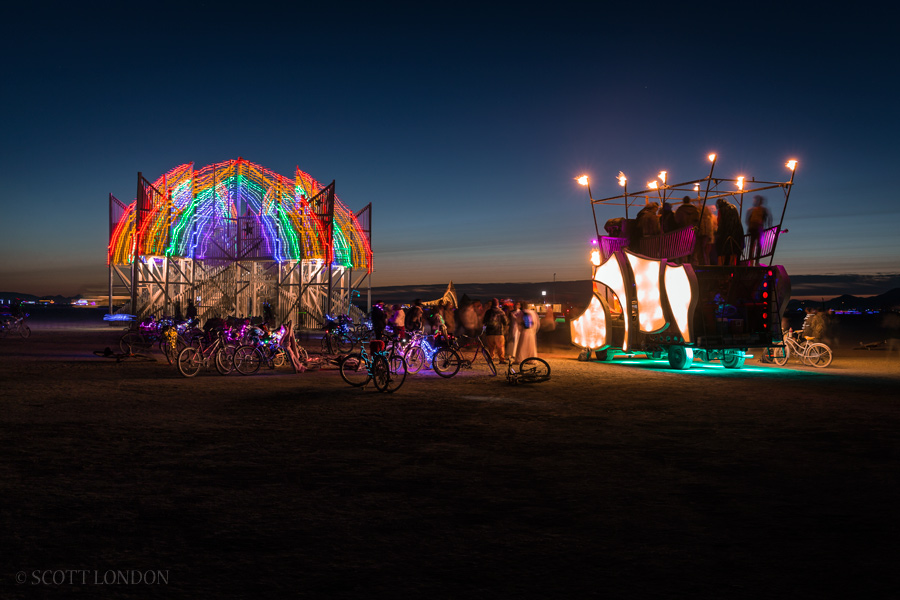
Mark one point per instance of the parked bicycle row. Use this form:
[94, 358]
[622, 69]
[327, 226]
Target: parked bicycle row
[242, 347]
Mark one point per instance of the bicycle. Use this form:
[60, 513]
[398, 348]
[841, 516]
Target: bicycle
[14, 324]
[192, 358]
[388, 373]
[531, 370]
[271, 352]
[811, 353]
[340, 336]
[417, 351]
[450, 358]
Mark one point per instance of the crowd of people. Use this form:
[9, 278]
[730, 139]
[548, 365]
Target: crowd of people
[719, 233]
[510, 328]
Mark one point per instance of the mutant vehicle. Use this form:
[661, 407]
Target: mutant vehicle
[690, 284]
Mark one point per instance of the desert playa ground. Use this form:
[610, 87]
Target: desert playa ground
[622, 480]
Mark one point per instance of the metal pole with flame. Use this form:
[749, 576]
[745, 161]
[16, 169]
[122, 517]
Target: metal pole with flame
[585, 180]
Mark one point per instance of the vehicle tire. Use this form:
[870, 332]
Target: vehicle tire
[534, 370]
[733, 359]
[388, 378]
[490, 362]
[602, 355]
[445, 362]
[819, 355]
[680, 357]
[132, 342]
[354, 370]
[24, 331]
[248, 359]
[415, 359]
[189, 362]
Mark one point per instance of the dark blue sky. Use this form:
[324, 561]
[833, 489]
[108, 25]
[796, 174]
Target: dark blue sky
[464, 125]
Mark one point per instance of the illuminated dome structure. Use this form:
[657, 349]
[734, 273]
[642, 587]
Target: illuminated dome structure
[234, 235]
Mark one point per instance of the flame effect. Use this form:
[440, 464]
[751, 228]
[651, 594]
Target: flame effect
[791, 164]
[583, 180]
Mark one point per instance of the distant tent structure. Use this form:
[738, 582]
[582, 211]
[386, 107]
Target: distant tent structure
[234, 236]
[449, 298]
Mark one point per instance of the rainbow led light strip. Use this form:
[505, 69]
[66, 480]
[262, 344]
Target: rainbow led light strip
[192, 205]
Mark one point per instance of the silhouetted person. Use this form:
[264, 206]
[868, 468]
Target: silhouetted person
[495, 322]
[379, 321]
[729, 234]
[687, 215]
[758, 220]
[191, 311]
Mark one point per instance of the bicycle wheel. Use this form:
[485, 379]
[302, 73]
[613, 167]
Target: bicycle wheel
[224, 359]
[388, 377]
[132, 342]
[302, 354]
[248, 359]
[780, 355]
[446, 362]
[534, 370]
[490, 362]
[189, 361]
[171, 352]
[354, 370]
[819, 355]
[345, 344]
[24, 331]
[279, 357]
[415, 359]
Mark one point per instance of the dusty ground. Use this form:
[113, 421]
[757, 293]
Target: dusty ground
[621, 480]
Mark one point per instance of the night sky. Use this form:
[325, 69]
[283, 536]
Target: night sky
[463, 125]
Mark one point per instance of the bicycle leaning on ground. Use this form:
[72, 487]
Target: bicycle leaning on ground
[531, 370]
[796, 344]
[388, 373]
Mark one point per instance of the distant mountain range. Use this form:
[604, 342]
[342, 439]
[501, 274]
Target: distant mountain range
[576, 293]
